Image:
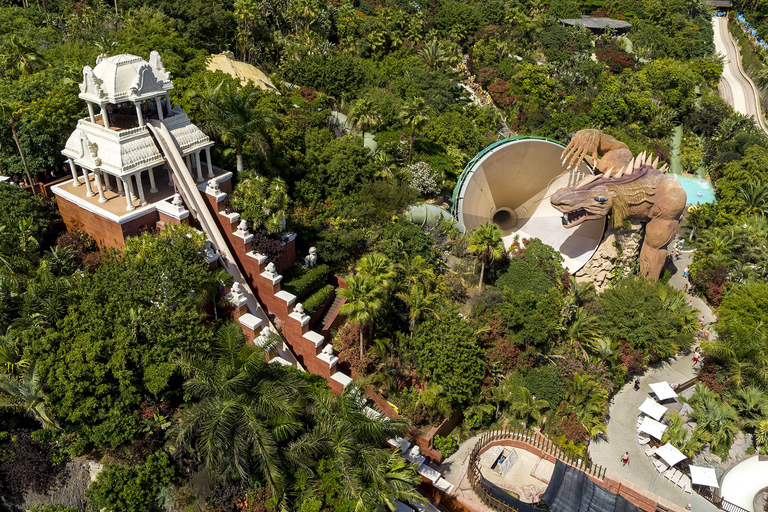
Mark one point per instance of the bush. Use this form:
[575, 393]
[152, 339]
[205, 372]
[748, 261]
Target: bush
[317, 300]
[521, 275]
[120, 489]
[446, 445]
[545, 384]
[26, 464]
[270, 247]
[307, 280]
[52, 508]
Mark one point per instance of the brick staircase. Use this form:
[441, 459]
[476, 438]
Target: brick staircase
[332, 312]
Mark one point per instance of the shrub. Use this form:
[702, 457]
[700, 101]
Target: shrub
[446, 445]
[317, 300]
[52, 508]
[544, 383]
[424, 179]
[270, 247]
[120, 489]
[26, 464]
[79, 242]
[521, 275]
[306, 281]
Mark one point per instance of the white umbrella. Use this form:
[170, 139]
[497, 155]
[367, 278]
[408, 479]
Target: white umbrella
[703, 476]
[653, 409]
[652, 427]
[670, 454]
[663, 391]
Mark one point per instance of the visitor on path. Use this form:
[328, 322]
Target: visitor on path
[637, 384]
[696, 356]
[624, 459]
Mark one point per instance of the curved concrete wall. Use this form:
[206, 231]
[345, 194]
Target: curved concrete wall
[519, 175]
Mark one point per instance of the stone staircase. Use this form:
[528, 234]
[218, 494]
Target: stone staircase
[330, 314]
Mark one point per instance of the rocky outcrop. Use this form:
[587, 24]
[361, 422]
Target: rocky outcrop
[615, 257]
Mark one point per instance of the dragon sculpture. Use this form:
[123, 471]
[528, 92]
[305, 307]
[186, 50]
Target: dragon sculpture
[627, 187]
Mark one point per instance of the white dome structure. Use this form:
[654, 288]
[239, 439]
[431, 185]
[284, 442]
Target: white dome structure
[124, 78]
[509, 183]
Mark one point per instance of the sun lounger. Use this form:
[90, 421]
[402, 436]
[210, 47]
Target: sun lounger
[669, 473]
[687, 487]
[685, 479]
[650, 451]
[660, 466]
[677, 478]
[642, 441]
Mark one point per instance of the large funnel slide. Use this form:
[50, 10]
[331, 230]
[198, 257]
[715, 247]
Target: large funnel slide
[510, 182]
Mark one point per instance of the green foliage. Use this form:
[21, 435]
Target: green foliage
[531, 318]
[121, 489]
[101, 366]
[261, 201]
[545, 383]
[19, 205]
[448, 352]
[305, 280]
[447, 445]
[317, 300]
[522, 276]
[52, 508]
[338, 74]
[652, 317]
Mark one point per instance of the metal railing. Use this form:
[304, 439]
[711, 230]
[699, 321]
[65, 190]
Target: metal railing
[477, 481]
[718, 501]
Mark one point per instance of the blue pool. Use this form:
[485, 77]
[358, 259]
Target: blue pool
[699, 191]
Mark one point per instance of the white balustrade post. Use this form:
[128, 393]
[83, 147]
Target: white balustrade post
[199, 167]
[153, 187]
[75, 180]
[140, 186]
[97, 177]
[128, 192]
[89, 192]
[208, 159]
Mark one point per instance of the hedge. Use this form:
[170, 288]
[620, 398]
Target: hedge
[304, 282]
[317, 300]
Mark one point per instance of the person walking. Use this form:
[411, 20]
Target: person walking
[637, 384]
[624, 459]
[696, 357]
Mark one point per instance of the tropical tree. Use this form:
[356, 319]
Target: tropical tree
[378, 267]
[751, 404]
[364, 300]
[9, 112]
[688, 443]
[714, 417]
[585, 396]
[234, 114]
[433, 54]
[754, 197]
[25, 395]
[419, 301]
[240, 409]
[694, 220]
[486, 243]
[415, 115]
[364, 116]
[352, 441]
[20, 56]
[526, 407]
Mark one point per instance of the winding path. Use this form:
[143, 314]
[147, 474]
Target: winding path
[736, 87]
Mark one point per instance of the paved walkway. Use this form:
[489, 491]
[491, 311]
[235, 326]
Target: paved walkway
[623, 413]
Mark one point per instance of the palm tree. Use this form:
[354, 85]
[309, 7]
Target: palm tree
[234, 115]
[485, 241]
[694, 220]
[679, 437]
[352, 440]
[8, 111]
[433, 54]
[761, 435]
[754, 196]
[419, 302]
[364, 301]
[241, 409]
[589, 400]
[414, 114]
[745, 352]
[751, 404]
[11, 360]
[714, 417]
[526, 407]
[25, 395]
[364, 115]
[378, 267]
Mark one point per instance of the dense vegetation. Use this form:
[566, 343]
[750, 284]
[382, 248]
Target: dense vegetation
[124, 355]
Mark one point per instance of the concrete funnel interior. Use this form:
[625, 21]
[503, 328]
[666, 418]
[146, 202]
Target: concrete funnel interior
[510, 183]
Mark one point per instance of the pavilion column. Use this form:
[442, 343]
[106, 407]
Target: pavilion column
[75, 181]
[188, 161]
[152, 186]
[168, 102]
[140, 186]
[107, 181]
[138, 113]
[170, 176]
[199, 167]
[159, 106]
[105, 116]
[208, 160]
[91, 114]
[88, 187]
[97, 177]
[120, 190]
[128, 192]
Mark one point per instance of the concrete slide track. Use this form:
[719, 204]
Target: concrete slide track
[736, 87]
[199, 210]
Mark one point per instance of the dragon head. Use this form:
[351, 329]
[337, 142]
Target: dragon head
[578, 205]
[595, 196]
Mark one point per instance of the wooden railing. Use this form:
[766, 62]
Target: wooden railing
[477, 482]
[718, 501]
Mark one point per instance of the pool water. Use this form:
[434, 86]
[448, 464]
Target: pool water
[699, 191]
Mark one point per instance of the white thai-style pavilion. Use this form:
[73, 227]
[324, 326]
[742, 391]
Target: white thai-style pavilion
[111, 152]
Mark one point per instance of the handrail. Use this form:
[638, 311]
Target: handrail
[719, 501]
[535, 439]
